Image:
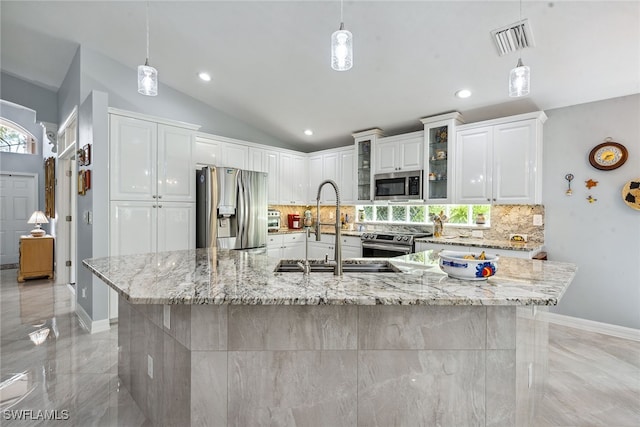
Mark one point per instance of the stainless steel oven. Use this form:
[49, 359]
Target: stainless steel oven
[273, 220]
[389, 245]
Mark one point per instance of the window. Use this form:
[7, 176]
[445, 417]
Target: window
[421, 214]
[15, 139]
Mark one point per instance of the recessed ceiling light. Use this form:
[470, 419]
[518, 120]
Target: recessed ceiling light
[308, 132]
[205, 76]
[463, 93]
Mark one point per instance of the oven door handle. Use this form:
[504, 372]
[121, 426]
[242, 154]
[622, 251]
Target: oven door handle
[394, 248]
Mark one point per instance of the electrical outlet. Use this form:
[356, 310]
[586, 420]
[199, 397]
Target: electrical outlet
[150, 366]
[167, 316]
[537, 220]
[331, 215]
[530, 375]
[84, 292]
[478, 234]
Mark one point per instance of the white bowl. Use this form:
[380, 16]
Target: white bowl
[454, 264]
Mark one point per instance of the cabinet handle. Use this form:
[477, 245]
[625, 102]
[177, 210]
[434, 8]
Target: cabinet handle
[159, 206]
[154, 196]
[154, 206]
[159, 197]
[488, 200]
[494, 200]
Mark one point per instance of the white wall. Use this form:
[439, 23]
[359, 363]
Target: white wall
[602, 238]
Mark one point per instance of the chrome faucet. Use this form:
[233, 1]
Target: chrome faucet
[337, 271]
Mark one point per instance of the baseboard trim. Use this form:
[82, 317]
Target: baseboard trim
[92, 326]
[590, 325]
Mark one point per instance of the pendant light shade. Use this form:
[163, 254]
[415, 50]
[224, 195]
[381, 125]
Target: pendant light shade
[147, 75]
[147, 80]
[342, 49]
[519, 80]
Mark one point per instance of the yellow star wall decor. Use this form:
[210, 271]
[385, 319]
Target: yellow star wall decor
[591, 199]
[591, 183]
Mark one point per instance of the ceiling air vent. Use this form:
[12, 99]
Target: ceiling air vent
[513, 37]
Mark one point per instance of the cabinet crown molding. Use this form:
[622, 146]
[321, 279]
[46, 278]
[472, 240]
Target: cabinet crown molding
[155, 119]
[369, 132]
[440, 117]
[539, 115]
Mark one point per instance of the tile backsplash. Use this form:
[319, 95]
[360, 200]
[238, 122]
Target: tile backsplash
[326, 212]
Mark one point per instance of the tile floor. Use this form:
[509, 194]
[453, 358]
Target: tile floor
[594, 380]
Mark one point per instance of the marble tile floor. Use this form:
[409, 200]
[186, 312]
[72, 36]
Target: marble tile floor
[594, 380]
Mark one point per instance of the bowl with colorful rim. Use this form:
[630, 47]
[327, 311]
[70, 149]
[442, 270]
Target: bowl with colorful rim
[468, 265]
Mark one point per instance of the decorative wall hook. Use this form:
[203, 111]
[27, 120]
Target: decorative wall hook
[591, 183]
[569, 177]
[591, 199]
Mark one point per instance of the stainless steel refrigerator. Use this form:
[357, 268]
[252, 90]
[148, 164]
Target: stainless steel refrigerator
[231, 208]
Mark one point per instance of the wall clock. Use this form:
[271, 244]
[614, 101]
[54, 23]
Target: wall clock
[608, 156]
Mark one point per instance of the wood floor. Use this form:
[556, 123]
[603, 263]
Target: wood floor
[594, 379]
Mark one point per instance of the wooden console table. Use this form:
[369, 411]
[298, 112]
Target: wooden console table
[36, 257]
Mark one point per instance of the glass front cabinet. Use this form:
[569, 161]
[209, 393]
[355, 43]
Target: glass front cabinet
[365, 142]
[439, 142]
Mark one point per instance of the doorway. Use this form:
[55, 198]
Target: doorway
[66, 189]
[17, 202]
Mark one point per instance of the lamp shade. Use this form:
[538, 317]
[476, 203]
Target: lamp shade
[37, 218]
[147, 80]
[519, 80]
[341, 49]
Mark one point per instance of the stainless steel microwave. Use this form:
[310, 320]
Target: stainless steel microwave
[398, 186]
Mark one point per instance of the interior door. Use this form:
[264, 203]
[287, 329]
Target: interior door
[17, 203]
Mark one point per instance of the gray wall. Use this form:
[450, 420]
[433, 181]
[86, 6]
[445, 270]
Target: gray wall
[69, 92]
[43, 101]
[602, 238]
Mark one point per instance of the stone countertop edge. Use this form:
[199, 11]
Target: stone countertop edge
[484, 243]
[206, 276]
[302, 231]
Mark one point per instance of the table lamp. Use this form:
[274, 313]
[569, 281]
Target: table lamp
[37, 218]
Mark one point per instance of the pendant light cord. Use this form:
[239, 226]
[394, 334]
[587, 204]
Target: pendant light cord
[147, 61]
[341, 15]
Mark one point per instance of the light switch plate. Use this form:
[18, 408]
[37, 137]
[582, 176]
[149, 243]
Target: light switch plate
[537, 220]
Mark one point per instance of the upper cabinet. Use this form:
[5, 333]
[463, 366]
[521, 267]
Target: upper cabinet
[364, 161]
[263, 160]
[150, 160]
[336, 165]
[439, 140]
[399, 153]
[499, 161]
[293, 179]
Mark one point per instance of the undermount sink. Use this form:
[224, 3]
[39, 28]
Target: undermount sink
[348, 266]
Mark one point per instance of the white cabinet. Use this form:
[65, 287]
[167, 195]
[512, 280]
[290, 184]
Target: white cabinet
[142, 227]
[500, 161]
[423, 246]
[351, 247]
[150, 161]
[364, 158]
[399, 153]
[268, 161]
[236, 155]
[337, 165]
[286, 246]
[293, 179]
[207, 152]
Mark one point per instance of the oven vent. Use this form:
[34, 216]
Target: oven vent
[513, 37]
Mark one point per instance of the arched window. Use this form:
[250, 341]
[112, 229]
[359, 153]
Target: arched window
[15, 139]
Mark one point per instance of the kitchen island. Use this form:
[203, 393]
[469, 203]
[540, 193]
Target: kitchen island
[216, 337]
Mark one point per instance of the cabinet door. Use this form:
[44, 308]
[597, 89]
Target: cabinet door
[473, 166]
[207, 152]
[514, 163]
[411, 154]
[317, 250]
[351, 252]
[133, 228]
[286, 179]
[176, 226]
[176, 176]
[274, 246]
[133, 158]
[300, 180]
[236, 155]
[347, 184]
[330, 170]
[293, 250]
[386, 157]
[267, 161]
[315, 177]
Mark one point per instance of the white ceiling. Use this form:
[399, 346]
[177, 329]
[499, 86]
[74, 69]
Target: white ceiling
[270, 59]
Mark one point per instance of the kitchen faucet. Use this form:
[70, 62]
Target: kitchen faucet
[337, 271]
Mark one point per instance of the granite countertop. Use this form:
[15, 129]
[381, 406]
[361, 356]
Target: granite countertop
[210, 276]
[327, 231]
[484, 243]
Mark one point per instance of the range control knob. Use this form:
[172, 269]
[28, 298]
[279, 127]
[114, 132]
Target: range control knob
[399, 238]
[406, 238]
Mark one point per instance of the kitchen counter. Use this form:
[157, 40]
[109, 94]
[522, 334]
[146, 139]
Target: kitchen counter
[484, 243]
[217, 335]
[209, 276]
[328, 230]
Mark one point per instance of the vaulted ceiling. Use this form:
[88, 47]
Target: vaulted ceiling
[270, 59]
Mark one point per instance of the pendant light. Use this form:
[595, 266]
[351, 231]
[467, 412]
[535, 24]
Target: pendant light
[147, 75]
[341, 47]
[520, 76]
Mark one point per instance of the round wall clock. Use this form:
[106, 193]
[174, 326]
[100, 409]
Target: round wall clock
[608, 156]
